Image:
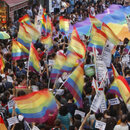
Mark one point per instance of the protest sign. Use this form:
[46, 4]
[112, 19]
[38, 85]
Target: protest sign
[106, 55]
[11, 104]
[103, 106]
[51, 62]
[89, 70]
[100, 125]
[97, 101]
[13, 120]
[128, 21]
[100, 69]
[114, 101]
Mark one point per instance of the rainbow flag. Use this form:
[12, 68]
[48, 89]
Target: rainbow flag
[95, 21]
[121, 88]
[71, 62]
[36, 106]
[63, 24]
[32, 31]
[59, 62]
[97, 39]
[127, 48]
[49, 25]
[77, 46]
[110, 34]
[43, 24]
[34, 64]
[2, 124]
[48, 41]
[19, 51]
[115, 73]
[75, 33]
[2, 64]
[26, 19]
[75, 84]
[24, 37]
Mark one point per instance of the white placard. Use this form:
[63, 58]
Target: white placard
[106, 55]
[13, 120]
[100, 69]
[97, 101]
[100, 125]
[82, 114]
[114, 101]
[11, 104]
[103, 106]
[51, 62]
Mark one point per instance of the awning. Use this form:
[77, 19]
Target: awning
[13, 3]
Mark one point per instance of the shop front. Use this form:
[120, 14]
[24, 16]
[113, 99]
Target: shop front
[3, 14]
[8, 9]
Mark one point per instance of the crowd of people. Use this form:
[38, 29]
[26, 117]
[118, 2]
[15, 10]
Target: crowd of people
[14, 80]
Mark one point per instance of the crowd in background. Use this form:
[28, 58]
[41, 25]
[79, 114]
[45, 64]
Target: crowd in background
[116, 117]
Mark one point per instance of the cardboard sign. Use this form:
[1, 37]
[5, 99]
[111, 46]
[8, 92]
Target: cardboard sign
[114, 101]
[97, 101]
[100, 125]
[13, 120]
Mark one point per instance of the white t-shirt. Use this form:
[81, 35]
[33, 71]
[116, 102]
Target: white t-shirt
[119, 127]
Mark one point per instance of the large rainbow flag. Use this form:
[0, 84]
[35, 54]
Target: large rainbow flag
[48, 41]
[34, 64]
[24, 37]
[26, 19]
[114, 17]
[95, 21]
[110, 34]
[49, 26]
[32, 31]
[97, 39]
[63, 24]
[75, 84]
[19, 51]
[59, 62]
[36, 106]
[71, 62]
[77, 46]
[121, 88]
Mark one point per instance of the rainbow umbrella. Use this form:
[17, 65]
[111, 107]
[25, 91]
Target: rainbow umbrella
[4, 35]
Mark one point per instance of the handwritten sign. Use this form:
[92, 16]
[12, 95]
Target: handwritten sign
[13, 120]
[100, 125]
[97, 101]
[114, 101]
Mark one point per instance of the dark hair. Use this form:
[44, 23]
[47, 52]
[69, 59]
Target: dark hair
[69, 96]
[77, 124]
[98, 116]
[128, 117]
[63, 111]
[124, 118]
[77, 117]
[21, 93]
[57, 122]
